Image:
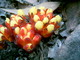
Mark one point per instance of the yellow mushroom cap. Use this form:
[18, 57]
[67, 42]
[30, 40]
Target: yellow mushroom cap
[58, 18]
[50, 28]
[28, 27]
[45, 20]
[7, 20]
[1, 36]
[33, 10]
[39, 25]
[17, 30]
[36, 18]
[28, 35]
[2, 29]
[29, 46]
[12, 23]
[17, 18]
[42, 12]
[12, 16]
[21, 12]
[49, 11]
[53, 20]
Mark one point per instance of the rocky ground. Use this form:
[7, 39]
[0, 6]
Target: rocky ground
[65, 45]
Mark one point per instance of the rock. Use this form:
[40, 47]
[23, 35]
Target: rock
[6, 4]
[2, 16]
[70, 50]
[2, 13]
[64, 33]
[53, 51]
[72, 12]
[1, 21]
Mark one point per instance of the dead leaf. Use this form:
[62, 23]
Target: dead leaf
[52, 5]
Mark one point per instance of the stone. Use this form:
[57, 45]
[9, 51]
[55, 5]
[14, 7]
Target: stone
[64, 33]
[6, 4]
[72, 12]
[2, 16]
[53, 51]
[70, 49]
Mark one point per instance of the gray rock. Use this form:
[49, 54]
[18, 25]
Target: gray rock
[70, 50]
[6, 4]
[64, 33]
[72, 12]
[1, 21]
[53, 51]
[2, 16]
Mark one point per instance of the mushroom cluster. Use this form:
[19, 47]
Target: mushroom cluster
[27, 35]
